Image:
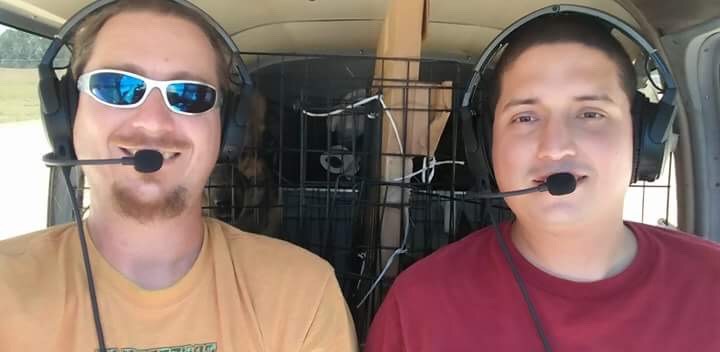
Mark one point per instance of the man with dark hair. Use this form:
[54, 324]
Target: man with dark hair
[166, 278]
[581, 278]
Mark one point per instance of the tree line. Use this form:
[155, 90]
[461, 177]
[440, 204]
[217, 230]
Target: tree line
[19, 49]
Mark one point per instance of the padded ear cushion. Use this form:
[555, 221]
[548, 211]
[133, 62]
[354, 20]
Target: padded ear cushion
[650, 150]
[636, 115]
[485, 131]
[485, 119]
[69, 96]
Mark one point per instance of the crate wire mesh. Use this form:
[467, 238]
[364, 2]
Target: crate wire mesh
[316, 180]
[314, 176]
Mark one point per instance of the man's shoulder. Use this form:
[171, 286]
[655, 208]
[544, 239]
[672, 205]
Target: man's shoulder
[670, 236]
[681, 246]
[40, 242]
[268, 254]
[29, 265]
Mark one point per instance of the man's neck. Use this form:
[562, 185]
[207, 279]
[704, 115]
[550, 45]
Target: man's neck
[583, 253]
[153, 255]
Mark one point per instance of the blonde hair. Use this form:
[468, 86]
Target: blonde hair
[83, 40]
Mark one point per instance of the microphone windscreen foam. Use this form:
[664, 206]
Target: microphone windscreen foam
[147, 160]
[561, 183]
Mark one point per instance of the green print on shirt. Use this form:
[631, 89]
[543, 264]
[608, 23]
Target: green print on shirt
[204, 347]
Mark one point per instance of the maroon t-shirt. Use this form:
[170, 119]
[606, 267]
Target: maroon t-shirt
[464, 298]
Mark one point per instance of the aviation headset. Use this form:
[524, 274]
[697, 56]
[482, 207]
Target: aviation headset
[652, 122]
[59, 97]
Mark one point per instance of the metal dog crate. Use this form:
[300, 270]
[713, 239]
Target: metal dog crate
[316, 181]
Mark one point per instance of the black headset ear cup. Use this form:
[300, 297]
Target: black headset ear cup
[471, 143]
[58, 102]
[476, 154]
[651, 146]
[236, 109]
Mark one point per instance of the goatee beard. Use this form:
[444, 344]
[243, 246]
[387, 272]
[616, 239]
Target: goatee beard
[170, 206]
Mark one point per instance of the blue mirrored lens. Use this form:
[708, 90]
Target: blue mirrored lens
[190, 97]
[117, 88]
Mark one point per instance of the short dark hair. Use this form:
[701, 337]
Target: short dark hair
[564, 28]
[83, 41]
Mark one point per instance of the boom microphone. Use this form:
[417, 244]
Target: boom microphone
[558, 184]
[145, 161]
[561, 183]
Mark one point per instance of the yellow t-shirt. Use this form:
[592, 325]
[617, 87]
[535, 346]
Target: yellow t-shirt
[245, 292]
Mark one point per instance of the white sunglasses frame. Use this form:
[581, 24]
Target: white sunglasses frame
[83, 85]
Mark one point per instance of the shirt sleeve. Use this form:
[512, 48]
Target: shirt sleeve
[386, 333]
[332, 328]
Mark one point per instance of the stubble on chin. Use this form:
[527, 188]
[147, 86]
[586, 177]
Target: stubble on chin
[171, 205]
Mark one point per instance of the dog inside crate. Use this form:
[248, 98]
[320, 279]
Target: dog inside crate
[240, 190]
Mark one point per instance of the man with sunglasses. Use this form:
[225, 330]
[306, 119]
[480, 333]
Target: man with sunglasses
[150, 75]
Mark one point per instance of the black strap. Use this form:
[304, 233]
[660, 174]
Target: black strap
[521, 285]
[86, 259]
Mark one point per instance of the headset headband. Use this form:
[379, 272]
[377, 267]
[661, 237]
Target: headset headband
[71, 24]
[497, 43]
